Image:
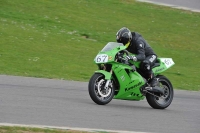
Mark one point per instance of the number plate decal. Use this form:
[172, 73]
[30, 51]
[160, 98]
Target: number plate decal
[168, 62]
[101, 58]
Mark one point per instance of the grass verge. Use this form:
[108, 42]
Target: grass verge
[7, 129]
[16, 129]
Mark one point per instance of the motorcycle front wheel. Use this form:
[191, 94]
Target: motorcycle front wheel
[157, 101]
[97, 91]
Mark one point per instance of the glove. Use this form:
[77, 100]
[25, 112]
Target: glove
[131, 57]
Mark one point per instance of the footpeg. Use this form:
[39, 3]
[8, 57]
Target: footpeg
[148, 88]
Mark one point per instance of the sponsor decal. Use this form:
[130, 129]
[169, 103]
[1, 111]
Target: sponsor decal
[116, 67]
[132, 87]
[160, 69]
[131, 82]
[134, 94]
[129, 33]
[152, 58]
[110, 58]
[122, 78]
[119, 70]
[117, 36]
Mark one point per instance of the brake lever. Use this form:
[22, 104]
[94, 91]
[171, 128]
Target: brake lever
[122, 59]
[125, 61]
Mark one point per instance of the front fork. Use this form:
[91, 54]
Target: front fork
[107, 84]
[108, 76]
[108, 81]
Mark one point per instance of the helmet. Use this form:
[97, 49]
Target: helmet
[124, 36]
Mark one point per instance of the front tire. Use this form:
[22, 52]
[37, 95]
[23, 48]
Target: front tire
[161, 101]
[97, 92]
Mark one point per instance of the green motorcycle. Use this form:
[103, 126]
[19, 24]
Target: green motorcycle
[120, 79]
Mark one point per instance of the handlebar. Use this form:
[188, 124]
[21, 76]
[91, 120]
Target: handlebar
[121, 58]
[125, 51]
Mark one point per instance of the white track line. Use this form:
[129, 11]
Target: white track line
[67, 128]
[169, 5]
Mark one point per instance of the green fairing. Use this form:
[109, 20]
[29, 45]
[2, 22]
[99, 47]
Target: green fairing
[159, 69]
[105, 73]
[156, 70]
[129, 80]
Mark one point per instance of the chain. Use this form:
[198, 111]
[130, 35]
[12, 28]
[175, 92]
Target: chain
[153, 94]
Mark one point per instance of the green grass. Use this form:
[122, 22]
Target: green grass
[14, 129]
[27, 129]
[59, 39]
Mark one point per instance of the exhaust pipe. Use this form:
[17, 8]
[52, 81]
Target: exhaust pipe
[155, 89]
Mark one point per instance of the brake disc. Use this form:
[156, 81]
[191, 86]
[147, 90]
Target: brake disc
[103, 92]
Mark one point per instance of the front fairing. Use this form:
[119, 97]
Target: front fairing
[108, 53]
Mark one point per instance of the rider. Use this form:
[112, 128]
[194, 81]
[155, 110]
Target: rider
[137, 45]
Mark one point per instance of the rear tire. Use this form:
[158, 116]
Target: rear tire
[97, 92]
[165, 100]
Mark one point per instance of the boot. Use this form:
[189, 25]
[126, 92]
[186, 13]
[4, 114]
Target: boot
[153, 81]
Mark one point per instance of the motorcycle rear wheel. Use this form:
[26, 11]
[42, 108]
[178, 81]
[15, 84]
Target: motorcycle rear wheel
[97, 92]
[162, 101]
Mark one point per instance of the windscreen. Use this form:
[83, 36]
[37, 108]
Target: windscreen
[110, 46]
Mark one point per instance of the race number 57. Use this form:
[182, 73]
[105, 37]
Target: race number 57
[168, 62]
[101, 58]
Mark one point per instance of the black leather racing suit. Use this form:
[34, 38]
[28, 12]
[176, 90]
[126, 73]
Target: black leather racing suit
[144, 53]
